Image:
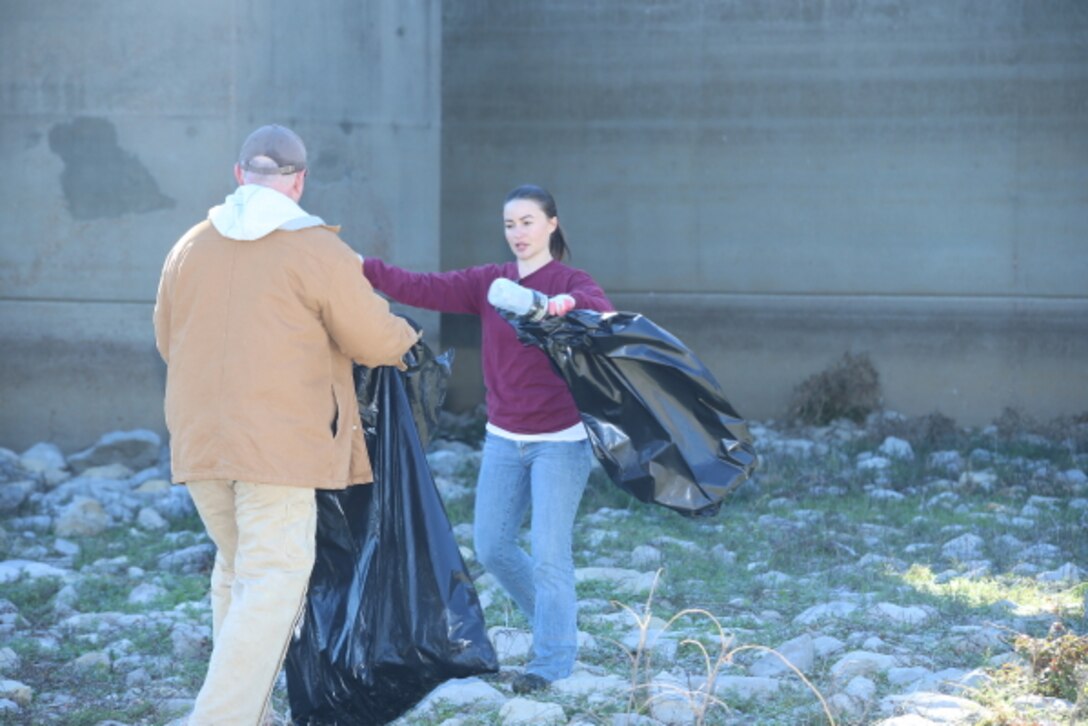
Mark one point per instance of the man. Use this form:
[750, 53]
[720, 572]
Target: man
[260, 311]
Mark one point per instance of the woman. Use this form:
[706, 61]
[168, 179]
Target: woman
[536, 453]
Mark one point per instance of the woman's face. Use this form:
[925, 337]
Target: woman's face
[528, 230]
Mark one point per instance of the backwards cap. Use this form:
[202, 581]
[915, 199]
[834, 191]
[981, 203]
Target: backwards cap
[273, 149]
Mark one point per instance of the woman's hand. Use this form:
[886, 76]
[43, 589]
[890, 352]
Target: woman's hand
[560, 305]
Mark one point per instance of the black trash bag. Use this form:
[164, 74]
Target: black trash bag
[656, 416]
[391, 611]
[424, 386]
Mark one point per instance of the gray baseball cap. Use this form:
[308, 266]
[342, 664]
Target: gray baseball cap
[273, 149]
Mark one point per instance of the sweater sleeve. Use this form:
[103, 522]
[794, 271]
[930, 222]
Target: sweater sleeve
[457, 291]
[587, 294]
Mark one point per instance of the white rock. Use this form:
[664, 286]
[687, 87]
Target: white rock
[66, 547]
[114, 472]
[971, 682]
[1059, 710]
[1041, 552]
[10, 661]
[582, 683]
[950, 461]
[1037, 500]
[526, 712]
[796, 448]
[510, 644]
[940, 681]
[846, 706]
[658, 641]
[137, 678]
[826, 645]
[673, 709]
[449, 489]
[150, 520]
[631, 582]
[874, 643]
[645, 556]
[912, 615]
[723, 554]
[897, 448]
[152, 486]
[16, 691]
[462, 692]
[977, 638]
[191, 640]
[145, 593]
[137, 449]
[90, 661]
[936, 707]
[774, 578]
[1030, 510]
[861, 663]
[684, 545]
[745, 687]
[799, 651]
[906, 675]
[1066, 573]
[190, 560]
[633, 719]
[1075, 477]
[14, 493]
[965, 547]
[861, 688]
[83, 517]
[912, 719]
[448, 461]
[42, 457]
[826, 611]
[985, 480]
[11, 570]
[885, 495]
[870, 462]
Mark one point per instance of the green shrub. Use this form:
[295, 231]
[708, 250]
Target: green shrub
[1055, 661]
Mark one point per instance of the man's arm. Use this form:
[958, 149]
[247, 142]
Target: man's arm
[359, 319]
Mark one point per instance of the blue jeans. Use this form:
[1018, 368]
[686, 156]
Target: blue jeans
[551, 476]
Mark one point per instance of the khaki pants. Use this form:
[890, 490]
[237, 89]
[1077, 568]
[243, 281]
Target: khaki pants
[265, 537]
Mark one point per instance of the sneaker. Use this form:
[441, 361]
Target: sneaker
[528, 683]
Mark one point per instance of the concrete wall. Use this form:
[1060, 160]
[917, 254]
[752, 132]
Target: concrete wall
[776, 182]
[779, 182]
[119, 124]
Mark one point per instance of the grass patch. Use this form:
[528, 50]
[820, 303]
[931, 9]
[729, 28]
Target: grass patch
[33, 598]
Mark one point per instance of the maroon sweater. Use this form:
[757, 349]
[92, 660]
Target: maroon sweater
[524, 393]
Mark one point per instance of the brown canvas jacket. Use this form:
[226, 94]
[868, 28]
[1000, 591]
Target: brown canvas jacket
[258, 337]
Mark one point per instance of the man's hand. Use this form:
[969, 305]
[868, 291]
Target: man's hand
[560, 305]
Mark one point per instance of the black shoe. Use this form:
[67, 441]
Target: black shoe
[528, 683]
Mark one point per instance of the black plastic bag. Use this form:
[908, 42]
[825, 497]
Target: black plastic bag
[391, 611]
[656, 416]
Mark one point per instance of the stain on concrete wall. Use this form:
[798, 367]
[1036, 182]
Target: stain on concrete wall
[100, 179]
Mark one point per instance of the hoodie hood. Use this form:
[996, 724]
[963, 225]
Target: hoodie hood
[253, 211]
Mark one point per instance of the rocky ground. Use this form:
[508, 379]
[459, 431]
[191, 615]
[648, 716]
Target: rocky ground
[900, 572]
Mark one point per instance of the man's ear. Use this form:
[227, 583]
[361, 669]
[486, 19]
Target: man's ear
[238, 175]
[300, 184]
